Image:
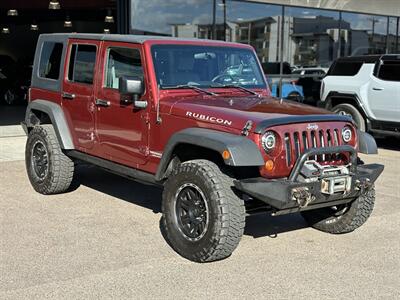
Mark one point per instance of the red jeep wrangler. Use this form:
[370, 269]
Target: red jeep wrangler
[195, 116]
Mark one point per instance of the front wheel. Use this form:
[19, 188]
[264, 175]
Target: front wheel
[349, 110]
[342, 218]
[203, 219]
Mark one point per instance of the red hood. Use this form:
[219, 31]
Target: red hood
[236, 111]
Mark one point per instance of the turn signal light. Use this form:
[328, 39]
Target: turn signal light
[226, 154]
[269, 165]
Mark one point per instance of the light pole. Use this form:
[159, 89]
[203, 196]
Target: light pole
[214, 33]
[224, 4]
[373, 27]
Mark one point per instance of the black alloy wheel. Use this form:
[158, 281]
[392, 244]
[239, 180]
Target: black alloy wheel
[191, 211]
[40, 160]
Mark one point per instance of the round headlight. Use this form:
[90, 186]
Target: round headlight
[268, 141]
[346, 134]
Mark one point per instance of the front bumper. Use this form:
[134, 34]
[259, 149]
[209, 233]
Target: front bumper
[278, 193]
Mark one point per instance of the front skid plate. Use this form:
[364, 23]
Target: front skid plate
[277, 193]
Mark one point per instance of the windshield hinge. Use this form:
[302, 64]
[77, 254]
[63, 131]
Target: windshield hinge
[158, 117]
[247, 127]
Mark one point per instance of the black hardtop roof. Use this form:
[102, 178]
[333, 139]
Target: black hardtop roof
[129, 38]
[369, 58]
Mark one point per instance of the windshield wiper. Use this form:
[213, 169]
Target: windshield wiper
[238, 87]
[193, 87]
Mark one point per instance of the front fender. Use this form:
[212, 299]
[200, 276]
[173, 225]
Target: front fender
[243, 151]
[366, 143]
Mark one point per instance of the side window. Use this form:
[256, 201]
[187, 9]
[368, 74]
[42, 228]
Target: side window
[390, 70]
[122, 62]
[81, 63]
[344, 68]
[50, 60]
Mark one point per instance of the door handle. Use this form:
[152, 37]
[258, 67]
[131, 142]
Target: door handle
[101, 102]
[377, 89]
[68, 96]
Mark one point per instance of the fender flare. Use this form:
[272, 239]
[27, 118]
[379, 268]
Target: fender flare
[353, 98]
[58, 120]
[243, 151]
[366, 143]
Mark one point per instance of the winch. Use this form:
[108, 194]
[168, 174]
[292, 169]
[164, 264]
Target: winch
[334, 179]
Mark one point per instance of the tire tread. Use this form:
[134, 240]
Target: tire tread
[357, 214]
[62, 171]
[231, 219]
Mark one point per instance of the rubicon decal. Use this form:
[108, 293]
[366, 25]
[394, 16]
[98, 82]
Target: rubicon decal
[208, 118]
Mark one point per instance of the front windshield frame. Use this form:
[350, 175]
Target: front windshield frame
[206, 49]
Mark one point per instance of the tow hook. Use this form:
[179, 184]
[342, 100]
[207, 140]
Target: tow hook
[363, 184]
[302, 196]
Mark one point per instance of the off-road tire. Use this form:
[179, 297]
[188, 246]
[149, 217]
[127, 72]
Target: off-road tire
[60, 169]
[226, 212]
[349, 109]
[356, 215]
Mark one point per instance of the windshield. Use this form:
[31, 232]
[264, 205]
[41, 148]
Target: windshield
[206, 66]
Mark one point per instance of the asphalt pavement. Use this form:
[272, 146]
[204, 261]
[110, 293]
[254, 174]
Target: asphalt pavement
[102, 240]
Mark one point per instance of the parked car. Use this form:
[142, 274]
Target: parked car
[290, 90]
[195, 117]
[7, 74]
[310, 81]
[14, 80]
[367, 88]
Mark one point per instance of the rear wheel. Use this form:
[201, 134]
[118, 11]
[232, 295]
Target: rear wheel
[49, 170]
[350, 110]
[203, 219]
[342, 218]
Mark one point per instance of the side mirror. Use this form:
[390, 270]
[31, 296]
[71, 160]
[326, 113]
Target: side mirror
[132, 86]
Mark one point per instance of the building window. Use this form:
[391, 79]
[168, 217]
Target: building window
[81, 63]
[181, 19]
[363, 34]
[49, 66]
[393, 36]
[255, 24]
[311, 37]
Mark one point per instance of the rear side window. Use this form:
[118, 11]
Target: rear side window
[50, 60]
[390, 70]
[344, 68]
[81, 63]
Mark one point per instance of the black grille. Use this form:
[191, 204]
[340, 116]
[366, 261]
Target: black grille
[297, 142]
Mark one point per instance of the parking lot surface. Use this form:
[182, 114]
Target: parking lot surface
[102, 240]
